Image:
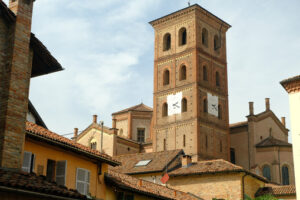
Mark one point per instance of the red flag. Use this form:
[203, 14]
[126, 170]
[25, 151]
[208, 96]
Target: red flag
[165, 178]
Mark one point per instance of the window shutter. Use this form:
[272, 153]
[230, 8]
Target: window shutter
[32, 163]
[83, 181]
[26, 161]
[61, 167]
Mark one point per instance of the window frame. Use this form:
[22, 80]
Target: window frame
[86, 182]
[138, 136]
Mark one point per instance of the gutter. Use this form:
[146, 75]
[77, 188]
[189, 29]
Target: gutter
[38, 194]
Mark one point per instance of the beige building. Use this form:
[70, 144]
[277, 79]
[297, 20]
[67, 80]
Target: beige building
[260, 144]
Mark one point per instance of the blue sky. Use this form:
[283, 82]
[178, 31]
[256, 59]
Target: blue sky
[106, 48]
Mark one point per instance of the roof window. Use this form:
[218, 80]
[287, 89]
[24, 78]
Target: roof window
[142, 163]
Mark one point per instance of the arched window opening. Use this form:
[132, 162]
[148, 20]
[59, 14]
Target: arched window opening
[205, 73]
[183, 140]
[205, 105]
[165, 110]
[166, 77]
[267, 172]
[182, 36]
[285, 175]
[217, 43]
[184, 105]
[204, 37]
[167, 41]
[219, 112]
[217, 79]
[182, 74]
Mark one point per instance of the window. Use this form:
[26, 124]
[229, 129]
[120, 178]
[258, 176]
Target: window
[217, 43]
[122, 196]
[219, 112]
[285, 175]
[182, 74]
[267, 172]
[166, 77]
[167, 42]
[141, 135]
[28, 162]
[221, 147]
[50, 174]
[205, 73]
[204, 37]
[165, 110]
[183, 140]
[205, 105]
[165, 144]
[217, 79]
[93, 145]
[182, 36]
[83, 181]
[232, 155]
[142, 163]
[184, 105]
[61, 169]
[206, 142]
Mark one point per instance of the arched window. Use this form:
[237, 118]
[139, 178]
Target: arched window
[184, 105]
[183, 140]
[217, 79]
[285, 175]
[204, 37]
[205, 73]
[165, 110]
[205, 105]
[166, 77]
[182, 74]
[167, 41]
[267, 172]
[219, 112]
[182, 36]
[217, 43]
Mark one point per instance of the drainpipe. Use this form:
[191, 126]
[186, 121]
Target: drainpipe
[248, 147]
[279, 165]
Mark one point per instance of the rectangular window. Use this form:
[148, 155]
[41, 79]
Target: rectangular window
[232, 155]
[83, 181]
[50, 174]
[141, 135]
[28, 162]
[61, 169]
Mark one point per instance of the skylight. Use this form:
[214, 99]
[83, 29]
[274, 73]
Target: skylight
[142, 163]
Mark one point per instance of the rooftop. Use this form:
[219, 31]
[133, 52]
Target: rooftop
[155, 162]
[38, 132]
[277, 190]
[140, 108]
[273, 142]
[292, 79]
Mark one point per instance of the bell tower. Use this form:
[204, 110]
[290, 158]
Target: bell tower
[190, 101]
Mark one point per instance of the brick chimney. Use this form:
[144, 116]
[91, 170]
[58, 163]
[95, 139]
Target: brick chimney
[267, 100]
[75, 134]
[95, 118]
[283, 121]
[14, 87]
[186, 160]
[251, 108]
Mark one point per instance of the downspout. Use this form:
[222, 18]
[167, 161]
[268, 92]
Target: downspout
[243, 186]
[248, 147]
[279, 167]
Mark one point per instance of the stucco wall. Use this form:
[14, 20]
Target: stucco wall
[122, 125]
[140, 123]
[239, 142]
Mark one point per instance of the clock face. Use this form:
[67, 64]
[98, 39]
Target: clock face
[174, 103]
[212, 104]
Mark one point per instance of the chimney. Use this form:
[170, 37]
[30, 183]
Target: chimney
[14, 87]
[267, 103]
[95, 118]
[114, 123]
[251, 108]
[186, 160]
[140, 182]
[283, 121]
[75, 134]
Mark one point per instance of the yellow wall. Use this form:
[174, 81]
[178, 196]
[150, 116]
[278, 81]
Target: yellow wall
[252, 185]
[111, 194]
[43, 152]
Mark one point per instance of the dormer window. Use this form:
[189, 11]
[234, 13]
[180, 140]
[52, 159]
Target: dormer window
[142, 163]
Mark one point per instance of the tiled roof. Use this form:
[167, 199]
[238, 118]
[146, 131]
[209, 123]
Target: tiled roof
[271, 142]
[277, 190]
[11, 180]
[238, 124]
[158, 162]
[140, 107]
[34, 130]
[147, 188]
[211, 167]
[288, 80]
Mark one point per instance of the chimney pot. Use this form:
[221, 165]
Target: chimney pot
[251, 108]
[75, 132]
[186, 160]
[95, 118]
[283, 121]
[267, 103]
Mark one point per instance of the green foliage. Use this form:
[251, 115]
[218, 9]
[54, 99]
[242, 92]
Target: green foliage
[265, 197]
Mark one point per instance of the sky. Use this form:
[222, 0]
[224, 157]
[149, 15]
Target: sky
[106, 48]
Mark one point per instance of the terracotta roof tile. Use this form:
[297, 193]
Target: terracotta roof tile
[277, 190]
[35, 130]
[271, 142]
[33, 183]
[145, 187]
[238, 124]
[140, 107]
[158, 162]
[288, 80]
